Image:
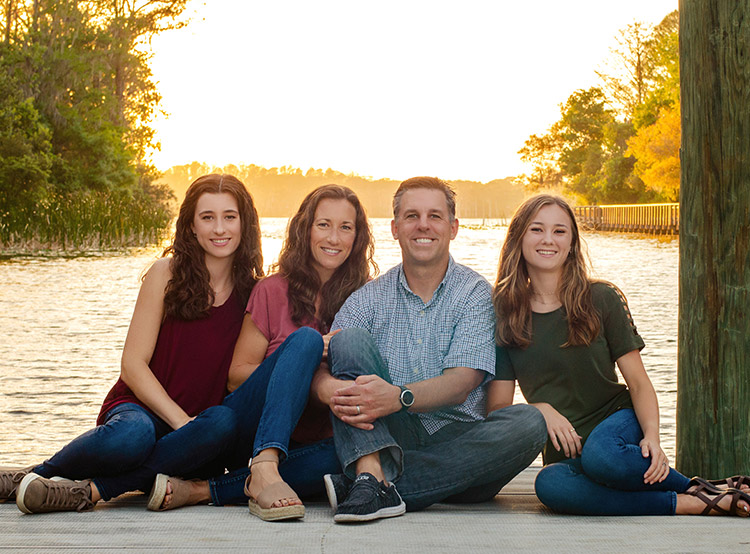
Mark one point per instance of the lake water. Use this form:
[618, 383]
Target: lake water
[63, 322]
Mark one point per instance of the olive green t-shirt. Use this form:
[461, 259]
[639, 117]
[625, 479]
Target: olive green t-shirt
[578, 381]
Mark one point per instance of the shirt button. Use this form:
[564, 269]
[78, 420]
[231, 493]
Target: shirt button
[419, 341]
[421, 312]
[416, 370]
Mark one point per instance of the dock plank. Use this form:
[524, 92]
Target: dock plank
[515, 521]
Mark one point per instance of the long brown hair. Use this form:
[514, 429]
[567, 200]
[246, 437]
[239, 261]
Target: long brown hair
[512, 294]
[295, 261]
[189, 295]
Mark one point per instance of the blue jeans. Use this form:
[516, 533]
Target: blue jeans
[303, 470]
[607, 479]
[462, 462]
[132, 445]
[268, 405]
[270, 402]
[260, 414]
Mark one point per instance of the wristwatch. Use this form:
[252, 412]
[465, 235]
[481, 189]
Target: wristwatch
[406, 398]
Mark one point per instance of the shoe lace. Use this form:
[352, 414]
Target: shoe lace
[9, 481]
[363, 488]
[65, 496]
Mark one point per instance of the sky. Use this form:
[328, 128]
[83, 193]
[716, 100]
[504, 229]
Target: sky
[381, 89]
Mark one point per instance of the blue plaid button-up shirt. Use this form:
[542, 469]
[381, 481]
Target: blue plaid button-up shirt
[418, 341]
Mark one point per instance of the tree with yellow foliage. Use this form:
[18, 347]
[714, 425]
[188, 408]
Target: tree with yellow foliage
[656, 149]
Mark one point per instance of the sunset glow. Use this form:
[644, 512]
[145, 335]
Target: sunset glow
[392, 89]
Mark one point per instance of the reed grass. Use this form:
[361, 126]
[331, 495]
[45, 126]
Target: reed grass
[85, 221]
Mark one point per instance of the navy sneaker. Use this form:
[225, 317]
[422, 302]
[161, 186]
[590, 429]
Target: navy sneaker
[369, 499]
[337, 487]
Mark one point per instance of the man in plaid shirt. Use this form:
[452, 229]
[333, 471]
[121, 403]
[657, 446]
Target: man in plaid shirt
[406, 377]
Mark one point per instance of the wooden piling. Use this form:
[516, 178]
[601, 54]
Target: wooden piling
[713, 390]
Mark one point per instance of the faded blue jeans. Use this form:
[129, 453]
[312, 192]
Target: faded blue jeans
[607, 479]
[462, 462]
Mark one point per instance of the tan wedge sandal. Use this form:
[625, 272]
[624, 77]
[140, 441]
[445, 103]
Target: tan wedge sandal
[262, 506]
[180, 493]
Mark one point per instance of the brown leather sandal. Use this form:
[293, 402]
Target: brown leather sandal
[734, 482]
[711, 496]
[262, 505]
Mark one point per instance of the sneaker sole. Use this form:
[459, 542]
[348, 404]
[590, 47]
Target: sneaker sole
[392, 511]
[331, 491]
[23, 485]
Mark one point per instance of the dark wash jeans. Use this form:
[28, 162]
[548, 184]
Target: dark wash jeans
[462, 462]
[607, 479]
[132, 445]
[268, 405]
[302, 469]
[127, 451]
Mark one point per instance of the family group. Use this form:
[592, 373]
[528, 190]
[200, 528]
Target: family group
[386, 393]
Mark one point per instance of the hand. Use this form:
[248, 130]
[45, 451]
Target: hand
[369, 398]
[184, 422]
[326, 340]
[561, 433]
[659, 468]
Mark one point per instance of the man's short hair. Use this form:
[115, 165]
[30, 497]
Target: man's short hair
[432, 183]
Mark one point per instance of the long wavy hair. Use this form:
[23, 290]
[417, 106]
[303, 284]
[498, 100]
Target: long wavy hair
[189, 294]
[512, 294]
[296, 260]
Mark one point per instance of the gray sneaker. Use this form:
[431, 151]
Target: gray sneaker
[337, 487]
[369, 499]
[37, 495]
[9, 480]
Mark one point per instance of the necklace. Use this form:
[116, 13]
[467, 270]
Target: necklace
[540, 298]
[220, 291]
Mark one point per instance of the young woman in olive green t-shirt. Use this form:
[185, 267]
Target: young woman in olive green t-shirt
[560, 335]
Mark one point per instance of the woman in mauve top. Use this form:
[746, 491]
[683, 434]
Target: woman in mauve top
[326, 256]
[560, 335]
[164, 414]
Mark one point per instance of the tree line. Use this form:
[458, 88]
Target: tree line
[619, 142]
[278, 191]
[77, 99]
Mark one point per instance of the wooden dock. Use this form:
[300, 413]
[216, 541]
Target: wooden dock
[650, 219]
[514, 522]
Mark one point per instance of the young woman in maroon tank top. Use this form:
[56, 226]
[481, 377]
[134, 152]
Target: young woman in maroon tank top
[327, 255]
[165, 413]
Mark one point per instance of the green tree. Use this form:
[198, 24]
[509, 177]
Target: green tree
[77, 73]
[587, 151]
[25, 147]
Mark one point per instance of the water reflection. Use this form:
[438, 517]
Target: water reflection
[63, 323]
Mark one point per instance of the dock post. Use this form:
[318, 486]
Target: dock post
[713, 390]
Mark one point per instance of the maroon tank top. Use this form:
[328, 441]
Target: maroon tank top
[191, 360]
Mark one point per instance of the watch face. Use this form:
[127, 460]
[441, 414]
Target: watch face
[407, 397]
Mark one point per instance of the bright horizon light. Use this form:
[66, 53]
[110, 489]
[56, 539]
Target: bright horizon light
[387, 89]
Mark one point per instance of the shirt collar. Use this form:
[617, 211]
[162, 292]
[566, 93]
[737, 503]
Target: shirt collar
[448, 272]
